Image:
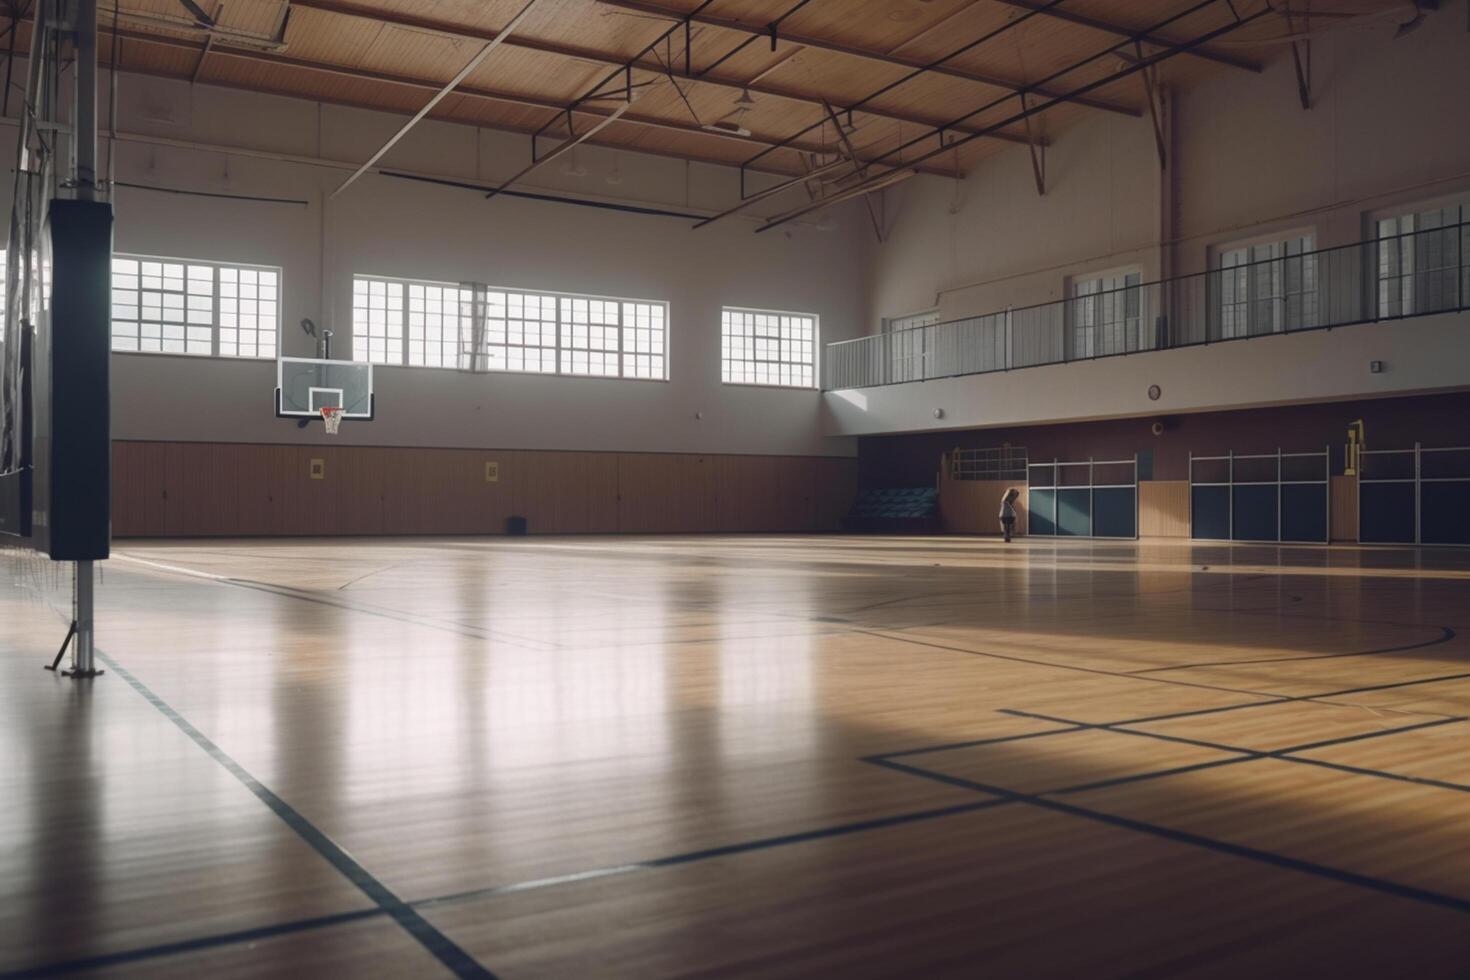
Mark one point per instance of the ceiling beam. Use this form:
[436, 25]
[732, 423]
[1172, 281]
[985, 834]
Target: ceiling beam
[1129, 68]
[347, 8]
[221, 50]
[438, 96]
[893, 60]
[1118, 30]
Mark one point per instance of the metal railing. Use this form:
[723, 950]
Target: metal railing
[1389, 278]
[1000, 463]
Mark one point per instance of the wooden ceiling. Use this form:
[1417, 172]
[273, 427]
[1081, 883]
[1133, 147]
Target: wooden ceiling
[395, 54]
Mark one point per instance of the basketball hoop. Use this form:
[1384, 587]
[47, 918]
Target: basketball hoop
[332, 418]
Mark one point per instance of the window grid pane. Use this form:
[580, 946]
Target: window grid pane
[439, 324]
[768, 348]
[425, 324]
[1268, 288]
[377, 321]
[196, 308]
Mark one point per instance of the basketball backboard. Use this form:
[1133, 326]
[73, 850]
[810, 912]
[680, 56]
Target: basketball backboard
[306, 385]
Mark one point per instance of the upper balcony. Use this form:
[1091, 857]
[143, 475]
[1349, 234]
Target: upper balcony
[1390, 278]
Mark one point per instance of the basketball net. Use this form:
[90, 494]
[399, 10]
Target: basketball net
[332, 418]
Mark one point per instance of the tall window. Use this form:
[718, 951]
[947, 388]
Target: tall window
[763, 347]
[1106, 314]
[190, 307]
[1268, 288]
[1422, 261]
[476, 327]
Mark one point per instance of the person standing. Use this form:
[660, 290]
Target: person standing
[1008, 512]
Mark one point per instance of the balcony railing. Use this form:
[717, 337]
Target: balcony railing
[1390, 278]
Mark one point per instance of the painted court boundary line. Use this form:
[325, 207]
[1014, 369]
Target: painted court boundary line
[996, 798]
[328, 599]
[460, 963]
[406, 915]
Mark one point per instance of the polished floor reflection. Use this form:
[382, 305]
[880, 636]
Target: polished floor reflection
[741, 756]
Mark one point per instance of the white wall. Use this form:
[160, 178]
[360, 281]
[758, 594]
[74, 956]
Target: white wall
[396, 227]
[990, 241]
[1387, 129]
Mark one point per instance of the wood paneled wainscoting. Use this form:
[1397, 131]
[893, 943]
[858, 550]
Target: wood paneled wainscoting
[1163, 508]
[1344, 508]
[973, 506]
[228, 489]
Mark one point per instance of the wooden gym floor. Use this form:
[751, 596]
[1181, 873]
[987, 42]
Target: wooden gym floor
[742, 756]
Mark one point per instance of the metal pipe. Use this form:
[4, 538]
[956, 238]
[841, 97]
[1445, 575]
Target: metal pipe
[1043, 106]
[83, 653]
[449, 86]
[85, 137]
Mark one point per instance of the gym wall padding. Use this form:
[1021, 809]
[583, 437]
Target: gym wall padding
[1445, 512]
[1209, 510]
[1385, 513]
[1303, 512]
[1255, 513]
[1114, 512]
[1041, 511]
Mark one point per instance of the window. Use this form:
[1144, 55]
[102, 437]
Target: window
[762, 347]
[426, 324]
[1422, 261]
[1106, 313]
[1268, 287]
[188, 307]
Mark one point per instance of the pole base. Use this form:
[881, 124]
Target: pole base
[81, 674]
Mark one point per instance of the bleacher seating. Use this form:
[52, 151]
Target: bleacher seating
[911, 510]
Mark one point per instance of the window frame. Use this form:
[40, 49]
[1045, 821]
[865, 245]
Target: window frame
[816, 361]
[1284, 238]
[1409, 262]
[1075, 303]
[214, 327]
[479, 360]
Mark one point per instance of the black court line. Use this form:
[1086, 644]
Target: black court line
[1445, 636]
[1292, 699]
[191, 945]
[672, 860]
[1060, 666]
[326, 599]
[460, 963]
[726, 850]
[1288, 754]
[1184, 837]
[1117, 727]
[689, 857]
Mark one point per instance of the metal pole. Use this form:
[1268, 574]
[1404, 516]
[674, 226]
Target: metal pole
[83, 663]
[1278, 494]
[1327, 489]
[1135, 497]
[1091, 526]
[1417, 486]
[1189, 511]
[1230, 489]
[85, 138]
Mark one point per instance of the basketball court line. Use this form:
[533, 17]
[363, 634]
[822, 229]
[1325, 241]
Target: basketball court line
[455, 959]
[325, 599]
[995, 800]
[328, 921]
[1044, 802]
[1446, 635]
[1286, 755]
